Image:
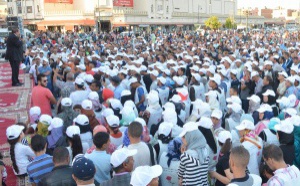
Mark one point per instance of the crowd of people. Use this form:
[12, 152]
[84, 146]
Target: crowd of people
[178, 108]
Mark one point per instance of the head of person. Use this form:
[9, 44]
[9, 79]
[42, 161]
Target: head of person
[14, 134]
[42, 80]
[95, 86]
[79, 84]
[238, 159]
[16, 31]
[101, 140]
[38, 144]
[115, 80]
[45, 62]
[83, 171]
[135, 131]
[165, 132]
[225, 141]
[245, 127]
[74, 140]
[192, 138]
[174, 151]
[267, 80]
[233, 91]
[273, 156]
[216, 116]
[34, 114]
[122, 160]
[146, 175]
[61, 156]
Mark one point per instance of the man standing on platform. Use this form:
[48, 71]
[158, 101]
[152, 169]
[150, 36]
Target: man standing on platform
[14, 53]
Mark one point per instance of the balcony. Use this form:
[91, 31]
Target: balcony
[68, 13]
[130, 12]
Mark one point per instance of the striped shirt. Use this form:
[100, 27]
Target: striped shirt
[192, 171]
[285, 177]
[40, 166]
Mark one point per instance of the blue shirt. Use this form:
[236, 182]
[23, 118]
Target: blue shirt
[101, 161]
[44, 70]
[291, 90]
[39, 167]
[117, 92]
[141, 93]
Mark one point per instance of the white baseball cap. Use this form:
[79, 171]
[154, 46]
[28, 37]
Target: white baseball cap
[66, 102]
[14, 131]
[87, 104]
[254, 73]
[81, 66]
[162, 80]
[188, 127]
[89, 78]
[176, 98]
[245, 124]
[125, 93]
[234, 99]
[295, 68]
[235, 107]
[45, 119]
[120, 155]
[269, 93]
[290, 79]
[216, 114]
[116, 104]
[283, 73]
[290, 111]
[35, 111]
[234, 71]
[196, 76]
[55, 123]
[285, 126]
[79, 81]
[178, 80]
[205, 122]
[195, 68]
[154, 73]
[93, 95]
[72, 130]
[143, 175]
[107, 112]
[216, 79]
[223, 136]
[81, 120]
[268, 62]
[165, 128]
[283, 100]
[133, 80]
[264, 108]
[254, 98]
[113, 121]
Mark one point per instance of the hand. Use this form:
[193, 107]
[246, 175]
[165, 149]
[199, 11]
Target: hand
[180, 182]
[182, 148]
[212, 174]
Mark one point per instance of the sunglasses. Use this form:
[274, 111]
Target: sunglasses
[45, 81]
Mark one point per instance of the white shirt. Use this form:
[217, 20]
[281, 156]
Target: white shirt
[78, 96]
[286, 176]
[169, 175]
[142, 157]
[255, 156]
[22, 153]
[33, 72]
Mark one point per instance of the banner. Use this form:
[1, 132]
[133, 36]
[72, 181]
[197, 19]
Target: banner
[123, 3]
[59, 1]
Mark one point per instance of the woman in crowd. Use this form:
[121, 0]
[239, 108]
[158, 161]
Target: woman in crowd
[74, 141]
[55, 137]
[252, 143]
[223, 174]
[170, 161]
[194, 160]
[67, 114]
[86, 136]
[19, 153]
[164, 137]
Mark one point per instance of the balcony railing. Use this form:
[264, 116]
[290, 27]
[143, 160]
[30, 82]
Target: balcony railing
[130, 12]
[68, 12]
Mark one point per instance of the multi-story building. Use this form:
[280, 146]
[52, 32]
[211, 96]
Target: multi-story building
[121, 14]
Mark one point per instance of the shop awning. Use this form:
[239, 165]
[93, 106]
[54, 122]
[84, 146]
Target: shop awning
[120, 25]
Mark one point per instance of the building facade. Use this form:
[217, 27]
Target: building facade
[123, 14]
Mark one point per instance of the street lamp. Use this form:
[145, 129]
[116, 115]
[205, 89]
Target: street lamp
[199, 8]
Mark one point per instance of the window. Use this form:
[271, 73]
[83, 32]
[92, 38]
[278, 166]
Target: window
[29, 9]
[19, 10]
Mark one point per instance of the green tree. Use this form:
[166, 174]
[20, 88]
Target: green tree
[213, 23]
[229, 23]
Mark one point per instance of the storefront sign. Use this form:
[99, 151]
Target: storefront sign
[123, 3]
[59, 1]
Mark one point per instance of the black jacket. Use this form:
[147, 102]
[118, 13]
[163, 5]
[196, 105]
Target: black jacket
[59, 176]
[14, 51]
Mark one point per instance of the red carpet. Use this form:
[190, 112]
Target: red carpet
[14, 106]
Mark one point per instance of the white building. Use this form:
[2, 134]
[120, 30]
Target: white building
[132, 14]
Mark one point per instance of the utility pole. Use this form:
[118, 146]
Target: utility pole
[99, 27]
[198, 14]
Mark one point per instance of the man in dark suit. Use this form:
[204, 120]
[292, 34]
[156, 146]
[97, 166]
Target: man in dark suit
[14, 53]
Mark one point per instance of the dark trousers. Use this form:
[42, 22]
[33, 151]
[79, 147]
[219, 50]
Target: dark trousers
[14, 71]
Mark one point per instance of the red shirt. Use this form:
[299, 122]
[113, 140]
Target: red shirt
[41, 97]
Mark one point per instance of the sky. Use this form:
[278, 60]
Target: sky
[289, 4]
